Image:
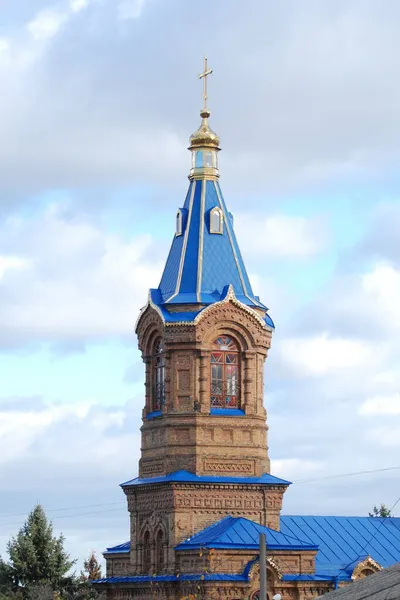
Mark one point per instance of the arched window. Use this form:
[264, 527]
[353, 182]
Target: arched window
[159, 552]
[178, 230]
[146, 553]
[225, 373]
[365, 573]
[159, 376]
[216, 221]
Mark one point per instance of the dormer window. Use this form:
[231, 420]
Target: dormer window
[216, 221]
[178, 223]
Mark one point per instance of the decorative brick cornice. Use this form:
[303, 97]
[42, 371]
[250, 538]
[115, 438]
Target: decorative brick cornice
[231, 297]
[148, 304]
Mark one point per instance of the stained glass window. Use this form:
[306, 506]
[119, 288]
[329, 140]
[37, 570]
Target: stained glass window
[225, 373]
[159, 376]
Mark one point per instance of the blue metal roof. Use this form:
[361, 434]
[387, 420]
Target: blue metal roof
[345, 541]
[121, 548]
[187, 477]
[342, 541]
[189, 316]
[241, 533]
[201, 264]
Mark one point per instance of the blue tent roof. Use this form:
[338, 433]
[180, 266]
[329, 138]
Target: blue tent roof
[238, 532]
[345, 541]
[202, 264]
[187, 477]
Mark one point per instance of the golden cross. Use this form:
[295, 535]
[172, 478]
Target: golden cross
[204, 76]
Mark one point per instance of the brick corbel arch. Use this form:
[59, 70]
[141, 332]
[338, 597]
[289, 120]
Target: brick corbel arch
[223, 316]
[149, 326]
[254, 571]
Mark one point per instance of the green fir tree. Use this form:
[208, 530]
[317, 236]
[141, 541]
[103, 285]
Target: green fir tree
[36, 556]
[382, 511]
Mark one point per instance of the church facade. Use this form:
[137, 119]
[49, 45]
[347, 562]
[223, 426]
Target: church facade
[204, 492]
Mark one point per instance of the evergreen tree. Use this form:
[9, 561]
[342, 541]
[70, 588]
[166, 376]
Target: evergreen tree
[36, 557]
[382, 511]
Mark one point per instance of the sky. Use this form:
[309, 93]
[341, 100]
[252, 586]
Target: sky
[97, 101]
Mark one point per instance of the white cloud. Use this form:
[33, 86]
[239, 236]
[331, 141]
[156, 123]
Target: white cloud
[19, 430]
[281, 236]
[88, 424]
[4, 46]
[381, 406]
[46, 24]
[382, 288]
[82, 282]
[322, 355]
[65, 125]
[11, 263]
[386, 436]
[78, 5]
[297, 468]
[130, 9]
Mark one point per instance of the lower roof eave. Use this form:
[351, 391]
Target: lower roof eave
[187, 477]
[308, 577]
[135, 579]
[250, 547]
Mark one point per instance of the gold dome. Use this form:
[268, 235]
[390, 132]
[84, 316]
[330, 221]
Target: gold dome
[204, 137]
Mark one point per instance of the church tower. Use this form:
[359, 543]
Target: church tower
[204, 493]
[204, 338]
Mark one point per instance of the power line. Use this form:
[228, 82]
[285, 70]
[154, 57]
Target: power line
[7, 515]
[297, 482]
[383, 521]
[97, 512]
[340, 475]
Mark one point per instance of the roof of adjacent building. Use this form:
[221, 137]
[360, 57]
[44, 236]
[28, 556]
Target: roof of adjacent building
[241, 533]
[384, 585]
[187, 477]
[344, 541]
[201, 264]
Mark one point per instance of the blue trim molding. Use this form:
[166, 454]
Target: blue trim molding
[227, 412]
